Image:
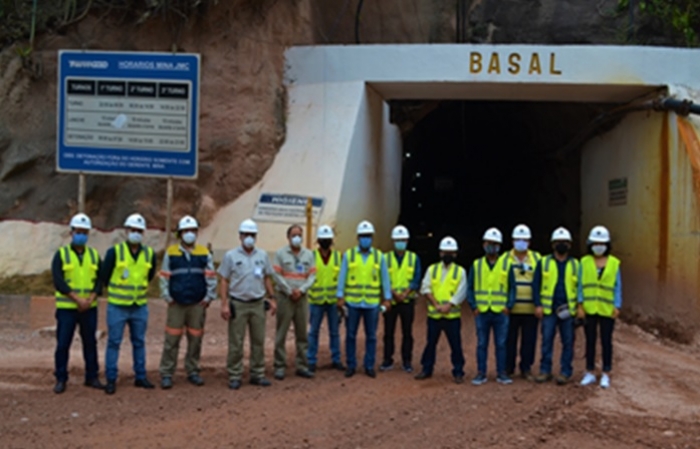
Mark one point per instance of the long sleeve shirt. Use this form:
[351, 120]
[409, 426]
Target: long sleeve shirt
[111, 260]
[59, 280]
[209, 276]
[617, 293]
[415, 283]
[384, 273]
[559, 298]
[461, 292]
[471, 299]
[294, 270]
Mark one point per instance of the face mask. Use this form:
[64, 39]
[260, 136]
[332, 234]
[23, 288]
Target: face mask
[249, 242]
[325, 243]
[520, 245]
[365, 242]
[599, 250]
[135, 237]
[296, 241]
[492, 249]
[562, 248]
[79, 239]
[448, 258]
[400, 246]
[189, 237]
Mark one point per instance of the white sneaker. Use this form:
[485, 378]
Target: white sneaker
[588, 379]
[605, 381]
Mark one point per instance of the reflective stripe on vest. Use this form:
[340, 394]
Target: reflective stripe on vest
[79, 275]
[599, 293]
[363, 284]
[326, 285]
[443, 291]
[129, 281]
[524, 304]
[401, 274]
[550, 277]
[490, 286]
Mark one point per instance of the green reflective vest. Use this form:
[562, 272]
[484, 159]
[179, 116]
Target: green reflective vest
[401, 274]
[129, 281]
[443, 291]
[599, 292]
[79, 275]
[550, 277]
[524, 304]
[490, 285]
[363, 283]
[326, 285]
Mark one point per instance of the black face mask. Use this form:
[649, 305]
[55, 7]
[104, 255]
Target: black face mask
[325, 243]
[562, 248]
[448, 258]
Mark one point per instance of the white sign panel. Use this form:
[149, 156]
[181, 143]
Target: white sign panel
[286, 208]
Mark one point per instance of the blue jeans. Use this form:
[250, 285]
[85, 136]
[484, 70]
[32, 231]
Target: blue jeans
[316, 313]
[566, 331]
[137, 319]
[370, 318]
[484, 323]
[66, 322]
[452, 329]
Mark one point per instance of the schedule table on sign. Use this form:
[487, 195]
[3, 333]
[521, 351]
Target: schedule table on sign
[134, 114]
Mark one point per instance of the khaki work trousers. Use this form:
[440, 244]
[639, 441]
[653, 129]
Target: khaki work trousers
[249, 315]
[183, 319]
[289, 312]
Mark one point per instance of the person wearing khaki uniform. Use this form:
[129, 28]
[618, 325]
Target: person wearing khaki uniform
[245, 277]
[294, 274]
[188, 285]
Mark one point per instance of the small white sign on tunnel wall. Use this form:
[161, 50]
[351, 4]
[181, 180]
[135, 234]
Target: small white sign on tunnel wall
[617, 192]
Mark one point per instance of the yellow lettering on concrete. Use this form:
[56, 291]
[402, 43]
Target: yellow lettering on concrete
[495, 64]
[475, 62]
[514, 63]
[552, 65]
[535, 66]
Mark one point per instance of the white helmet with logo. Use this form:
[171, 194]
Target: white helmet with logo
[80, 221]
[599, 234]
[187, 222]
[561, 234]
[448, 244]
[324, 232]
[493, 235]
[522, 232]
[135, 221]
[365, 227]
[248, 227]
[399, 233]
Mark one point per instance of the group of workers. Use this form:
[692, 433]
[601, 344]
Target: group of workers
[508, 293]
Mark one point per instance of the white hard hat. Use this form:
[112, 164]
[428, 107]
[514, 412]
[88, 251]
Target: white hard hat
[324, 232]
[399, 233]
[599, 234]
[561, 234]
[493, 235]
[448, 244]
[522, 232]
[187, 222]
[248, 226]
[80, 221]
[365, 227]
[135, 221]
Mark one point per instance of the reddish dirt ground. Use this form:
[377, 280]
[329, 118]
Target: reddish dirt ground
[654, 401]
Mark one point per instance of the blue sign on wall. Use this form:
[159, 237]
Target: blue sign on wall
[128, 113]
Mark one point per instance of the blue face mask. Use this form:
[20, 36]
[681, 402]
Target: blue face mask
[79, 239]
[400, 246]
[365, 242]
[520, 245]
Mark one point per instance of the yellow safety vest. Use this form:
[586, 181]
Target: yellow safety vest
[550, 277]
[79, 275]
[363, 282]
[401, 274]
[443, 291]
[326, 285]
[599, 293]
[129, 281]
[490, 286]
[523, 281]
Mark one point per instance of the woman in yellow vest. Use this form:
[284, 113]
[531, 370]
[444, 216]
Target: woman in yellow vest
[599, 301]
[75, 270]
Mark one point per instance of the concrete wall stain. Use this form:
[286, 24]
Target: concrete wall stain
[664, 200]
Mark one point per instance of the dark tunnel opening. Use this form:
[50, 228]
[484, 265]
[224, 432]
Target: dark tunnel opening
[470, 165]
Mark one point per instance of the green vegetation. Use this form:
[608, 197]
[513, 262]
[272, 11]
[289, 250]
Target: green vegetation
[681, 16]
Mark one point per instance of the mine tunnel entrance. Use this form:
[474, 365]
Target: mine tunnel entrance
[470, 165]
